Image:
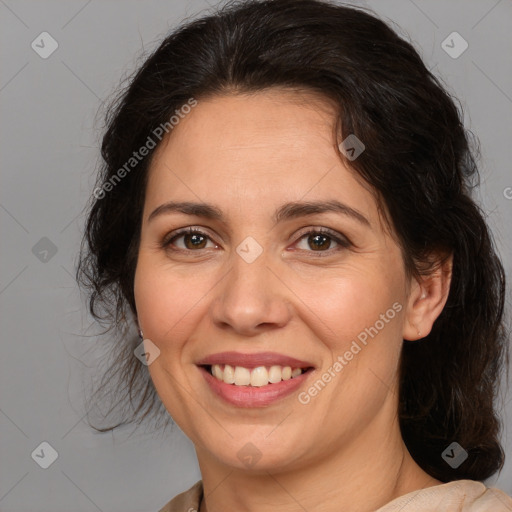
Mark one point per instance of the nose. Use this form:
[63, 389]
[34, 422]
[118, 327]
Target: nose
[251, 299]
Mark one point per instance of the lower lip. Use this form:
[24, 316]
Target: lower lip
[252, 396]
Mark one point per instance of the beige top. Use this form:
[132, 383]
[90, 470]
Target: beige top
[457, 496]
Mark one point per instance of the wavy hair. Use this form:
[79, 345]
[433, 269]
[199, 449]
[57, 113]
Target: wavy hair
[418, 161]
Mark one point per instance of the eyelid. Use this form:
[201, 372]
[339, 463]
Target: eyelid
[340, 239]
[169, 237]
[324, 231]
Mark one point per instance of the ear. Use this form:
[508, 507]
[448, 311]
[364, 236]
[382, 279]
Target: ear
[427, 297]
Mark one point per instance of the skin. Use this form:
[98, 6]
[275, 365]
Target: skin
[249, 154]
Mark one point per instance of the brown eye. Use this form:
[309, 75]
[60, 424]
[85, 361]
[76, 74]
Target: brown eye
[322, 241]
[188, 240]
[319, 242]
[194, 241]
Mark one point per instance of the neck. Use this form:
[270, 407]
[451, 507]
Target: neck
[373, 471]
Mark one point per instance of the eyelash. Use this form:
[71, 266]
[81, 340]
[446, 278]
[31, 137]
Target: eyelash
[343, 243]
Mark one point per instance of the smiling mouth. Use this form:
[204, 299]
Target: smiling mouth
[254, 377]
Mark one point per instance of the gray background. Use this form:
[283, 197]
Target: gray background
[49, 149]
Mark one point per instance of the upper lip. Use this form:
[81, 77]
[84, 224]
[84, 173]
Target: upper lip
[253, 360]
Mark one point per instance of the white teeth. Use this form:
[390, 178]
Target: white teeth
[228, 376]
[274, 374]
[242, 376]
[257, 377]
[217, 372]
[286, 373]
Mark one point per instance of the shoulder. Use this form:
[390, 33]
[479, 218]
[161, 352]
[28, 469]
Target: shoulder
[459, 495]
[187, 501]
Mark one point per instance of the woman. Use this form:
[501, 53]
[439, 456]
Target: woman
[284, 212]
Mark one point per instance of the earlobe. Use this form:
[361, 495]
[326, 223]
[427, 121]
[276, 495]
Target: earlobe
[427, 299]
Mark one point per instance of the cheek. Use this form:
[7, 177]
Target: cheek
[166, 301]
[345, 303]
[358, 318]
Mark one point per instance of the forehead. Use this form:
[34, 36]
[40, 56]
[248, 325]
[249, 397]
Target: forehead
[269, 146]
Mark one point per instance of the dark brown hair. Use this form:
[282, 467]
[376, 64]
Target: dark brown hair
[417, 159]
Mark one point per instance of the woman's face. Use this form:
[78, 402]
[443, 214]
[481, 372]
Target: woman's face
[256, 284]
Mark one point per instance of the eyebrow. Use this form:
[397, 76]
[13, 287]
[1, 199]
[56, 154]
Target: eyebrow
[287, 211]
